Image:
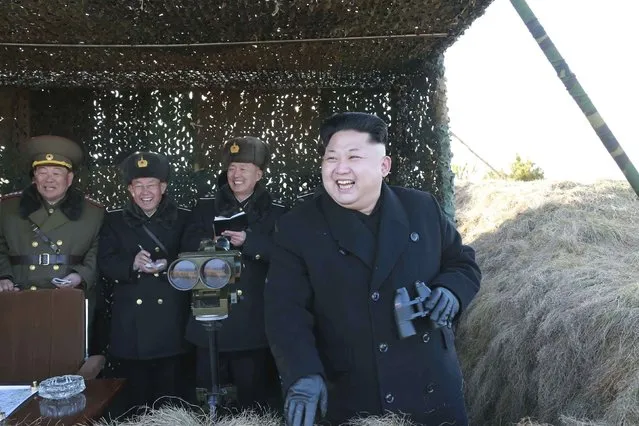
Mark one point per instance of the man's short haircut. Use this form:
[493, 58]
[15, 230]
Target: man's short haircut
[358, 121]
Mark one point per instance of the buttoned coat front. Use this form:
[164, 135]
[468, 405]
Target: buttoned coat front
[329, 306]
[73, 226]
[148, 316]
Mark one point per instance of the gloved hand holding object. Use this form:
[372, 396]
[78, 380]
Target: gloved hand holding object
[440, 304]
[302, 399]
[443, 306]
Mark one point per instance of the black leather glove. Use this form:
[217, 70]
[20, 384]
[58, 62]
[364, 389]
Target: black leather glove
[443, 305]
[302, 398]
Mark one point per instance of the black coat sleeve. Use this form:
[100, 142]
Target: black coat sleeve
[289, 319]
[259, 245]
[458, 271]
[198, 227]
[114, 262]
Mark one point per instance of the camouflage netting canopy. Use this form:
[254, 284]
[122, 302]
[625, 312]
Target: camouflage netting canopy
[180, 77]
[251, 41]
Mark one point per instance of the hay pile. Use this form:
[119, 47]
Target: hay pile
[554, 332]
[174, 416]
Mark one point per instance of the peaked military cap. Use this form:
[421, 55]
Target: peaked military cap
[143, 164]
[49, 150]
[246, 149]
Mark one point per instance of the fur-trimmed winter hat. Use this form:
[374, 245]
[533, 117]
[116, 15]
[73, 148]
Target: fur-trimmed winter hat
[145, 164]
[246, 149]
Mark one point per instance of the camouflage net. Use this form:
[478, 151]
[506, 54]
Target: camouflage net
[234, 44]
[190, 125]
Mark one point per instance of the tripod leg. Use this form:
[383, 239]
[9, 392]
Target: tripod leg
[214, 384]
[214, 402]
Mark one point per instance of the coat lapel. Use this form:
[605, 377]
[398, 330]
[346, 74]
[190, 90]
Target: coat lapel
[393, 236]
[55, 220]
[350, 233]
[39, 217]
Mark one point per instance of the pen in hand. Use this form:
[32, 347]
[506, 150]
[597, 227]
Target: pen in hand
[144, 257]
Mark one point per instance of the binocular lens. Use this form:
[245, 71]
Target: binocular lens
[183, 275]
[216, 273]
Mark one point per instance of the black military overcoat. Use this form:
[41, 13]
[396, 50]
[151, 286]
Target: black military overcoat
[148, 316]
[329, 306]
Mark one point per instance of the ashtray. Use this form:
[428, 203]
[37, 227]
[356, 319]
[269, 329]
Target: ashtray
[61, 387]
[63, 407]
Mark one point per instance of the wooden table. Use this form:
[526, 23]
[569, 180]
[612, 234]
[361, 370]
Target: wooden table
[98, 394]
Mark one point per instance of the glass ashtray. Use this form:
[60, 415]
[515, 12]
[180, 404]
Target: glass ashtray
[61, 387]
[63, 407]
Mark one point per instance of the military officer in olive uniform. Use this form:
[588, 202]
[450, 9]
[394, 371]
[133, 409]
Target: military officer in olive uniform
[148, 316]
[245, 360]
[49, 231]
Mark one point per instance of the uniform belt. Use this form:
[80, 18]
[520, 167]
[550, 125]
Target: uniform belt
[45, 259]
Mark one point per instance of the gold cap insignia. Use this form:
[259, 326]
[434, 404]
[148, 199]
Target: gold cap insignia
[235, 148]
[49, 157]
[142, 162]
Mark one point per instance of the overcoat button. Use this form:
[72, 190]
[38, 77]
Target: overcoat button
[414, 237]
[34, 244]
[157, 249]
[32, 267]
[383, 347]
[59, 242]
[160, 301]
[430, 388]
[342, 252]
[426, 337]
[33, 287]
[139, 301]
[389, 398]
[50, 211]
[375, 296]
[56, 267]
[156, 275]
[258, 257]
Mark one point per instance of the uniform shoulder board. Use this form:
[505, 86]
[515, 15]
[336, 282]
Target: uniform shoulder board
[94, 202]
[306, 196]
[10, 195]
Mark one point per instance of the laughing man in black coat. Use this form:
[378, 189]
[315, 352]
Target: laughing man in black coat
[329, 300]
[245, 359]
[148, 316]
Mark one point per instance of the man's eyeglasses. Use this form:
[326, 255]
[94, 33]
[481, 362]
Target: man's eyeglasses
[150, 187]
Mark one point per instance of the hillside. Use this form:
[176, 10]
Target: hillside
[554, 331]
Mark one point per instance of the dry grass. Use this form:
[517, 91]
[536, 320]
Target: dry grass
[554, 331]
[173, 416]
